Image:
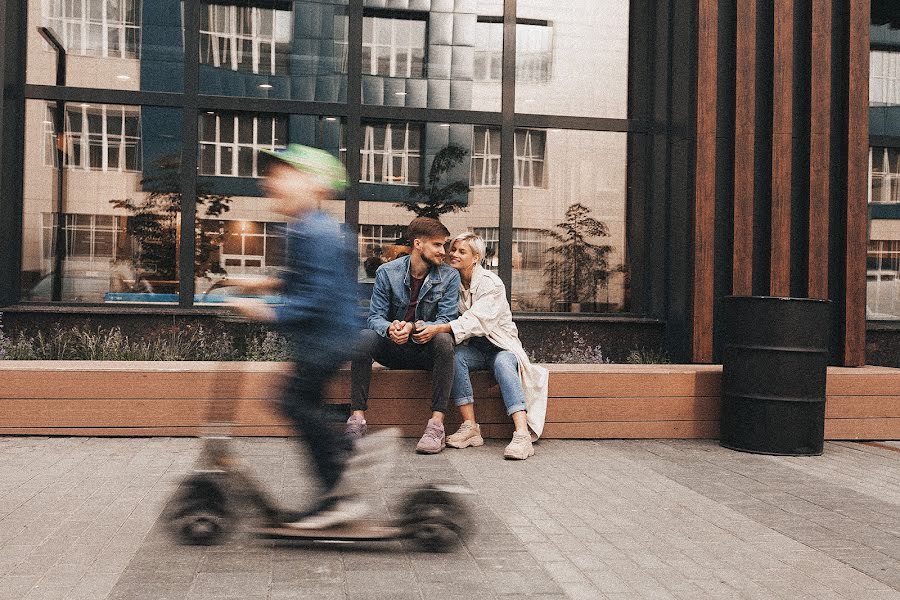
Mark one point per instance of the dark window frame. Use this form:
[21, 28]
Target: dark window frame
[192, 102]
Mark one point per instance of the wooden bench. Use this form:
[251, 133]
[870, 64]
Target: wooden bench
[586, 401]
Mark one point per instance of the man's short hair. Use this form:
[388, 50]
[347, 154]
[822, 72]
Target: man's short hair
[422, 228]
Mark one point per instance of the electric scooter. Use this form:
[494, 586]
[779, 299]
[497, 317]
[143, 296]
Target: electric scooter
[210, 502]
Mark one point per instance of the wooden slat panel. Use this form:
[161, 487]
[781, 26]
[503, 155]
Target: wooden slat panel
[819, 149]
[862, 407]
[705, 181]
[857, 181]
[865, 381]
[862, 429]
[567, 410]
[634, 385]
[782, 148]
[744, 148]
[634, 430]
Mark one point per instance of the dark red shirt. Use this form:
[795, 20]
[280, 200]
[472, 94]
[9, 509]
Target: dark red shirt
[414, 288]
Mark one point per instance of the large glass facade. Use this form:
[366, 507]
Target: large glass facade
[883, 259]
[106, 210]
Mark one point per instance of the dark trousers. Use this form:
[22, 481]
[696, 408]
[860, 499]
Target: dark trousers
[302, 403]
[435, 356]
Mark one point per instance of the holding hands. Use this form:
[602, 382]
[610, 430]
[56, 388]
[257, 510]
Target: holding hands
[399, 332]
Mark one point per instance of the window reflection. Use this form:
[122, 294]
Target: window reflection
[244, 38]
[569, 222]
[103, 28]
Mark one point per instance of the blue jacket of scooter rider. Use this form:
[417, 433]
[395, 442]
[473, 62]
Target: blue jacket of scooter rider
[320, 289]
[438, 298]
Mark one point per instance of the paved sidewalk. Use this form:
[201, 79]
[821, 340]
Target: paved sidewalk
[79, 519]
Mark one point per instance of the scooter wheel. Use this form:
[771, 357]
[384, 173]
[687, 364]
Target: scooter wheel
[199, 512]
[203, 528]
[437, 521]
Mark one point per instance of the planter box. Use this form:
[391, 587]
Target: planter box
[586, 401]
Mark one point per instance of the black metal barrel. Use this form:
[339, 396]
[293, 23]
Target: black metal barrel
[773, 376]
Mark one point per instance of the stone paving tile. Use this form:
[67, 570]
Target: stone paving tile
[79, 519]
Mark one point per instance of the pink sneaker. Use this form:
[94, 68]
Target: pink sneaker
[433, 440]
[356, 427]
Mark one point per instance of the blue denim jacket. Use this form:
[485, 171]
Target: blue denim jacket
[320, 289]
[438, 298]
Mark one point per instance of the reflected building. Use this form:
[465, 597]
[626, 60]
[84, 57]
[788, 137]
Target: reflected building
[598, 146]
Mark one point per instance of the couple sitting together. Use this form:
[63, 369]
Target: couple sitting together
[449, 318]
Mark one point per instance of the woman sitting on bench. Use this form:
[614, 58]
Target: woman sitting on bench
[487, 338]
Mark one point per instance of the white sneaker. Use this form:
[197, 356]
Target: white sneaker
[331, 513]
[520, 447]
[467, 435]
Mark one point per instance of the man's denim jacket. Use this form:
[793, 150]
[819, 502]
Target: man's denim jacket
[438, 298]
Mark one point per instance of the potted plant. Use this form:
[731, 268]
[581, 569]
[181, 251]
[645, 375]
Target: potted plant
[576, 265]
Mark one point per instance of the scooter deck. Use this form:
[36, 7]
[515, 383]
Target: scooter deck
[357, 531]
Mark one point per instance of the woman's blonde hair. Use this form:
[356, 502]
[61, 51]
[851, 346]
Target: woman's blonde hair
[475, 242]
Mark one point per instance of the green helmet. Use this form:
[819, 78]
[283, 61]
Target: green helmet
[312, 160]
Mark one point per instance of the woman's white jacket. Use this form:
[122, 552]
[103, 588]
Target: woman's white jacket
[489, 316]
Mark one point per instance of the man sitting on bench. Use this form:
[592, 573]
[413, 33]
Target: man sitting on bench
[418, 287]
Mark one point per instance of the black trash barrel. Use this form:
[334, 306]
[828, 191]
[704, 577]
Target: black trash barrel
[773, 374]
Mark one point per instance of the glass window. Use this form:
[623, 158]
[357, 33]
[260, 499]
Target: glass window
[572, 62]
[288, 50]
[529, 157]
[230, 142]
[486, 157]
[245, 38]
[450, 57]
[489, 50]
[569, 222]
[111, 233]
[444, 192]
[883, 273]
[98, 137]
[104, 28]
[884, 175]
[534, 52]
[884, 78]
[391, 153]
[393, 47]
[240, 232]
[114, 44]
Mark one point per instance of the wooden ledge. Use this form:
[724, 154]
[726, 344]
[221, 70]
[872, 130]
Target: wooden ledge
[586, 401]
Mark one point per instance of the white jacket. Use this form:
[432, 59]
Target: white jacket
[490, 316]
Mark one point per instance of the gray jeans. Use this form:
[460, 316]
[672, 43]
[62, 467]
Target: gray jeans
[435, 356]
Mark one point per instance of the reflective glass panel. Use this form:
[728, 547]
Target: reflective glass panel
[107, 231]
[445, 189]
[572, 61]
[112, 44]
[241, 234]
[447, 57]
[569, 221]
[284, 49]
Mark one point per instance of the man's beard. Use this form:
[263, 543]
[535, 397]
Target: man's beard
[433, 260]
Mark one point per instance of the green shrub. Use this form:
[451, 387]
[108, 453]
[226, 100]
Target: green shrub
[82, 343]
[268, 346]
[645, 356]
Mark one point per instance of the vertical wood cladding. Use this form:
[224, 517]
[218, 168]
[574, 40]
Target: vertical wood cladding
[744, 147]
[857, 180]
[705, 180]
[819, 149]
[799, 98]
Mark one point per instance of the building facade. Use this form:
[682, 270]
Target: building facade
[624, 160]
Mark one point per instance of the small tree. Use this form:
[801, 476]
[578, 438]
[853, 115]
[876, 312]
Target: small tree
[433, 199]
[576, 266]
[153, 223]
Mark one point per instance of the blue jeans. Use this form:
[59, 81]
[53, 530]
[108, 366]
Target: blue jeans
[479, 355]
